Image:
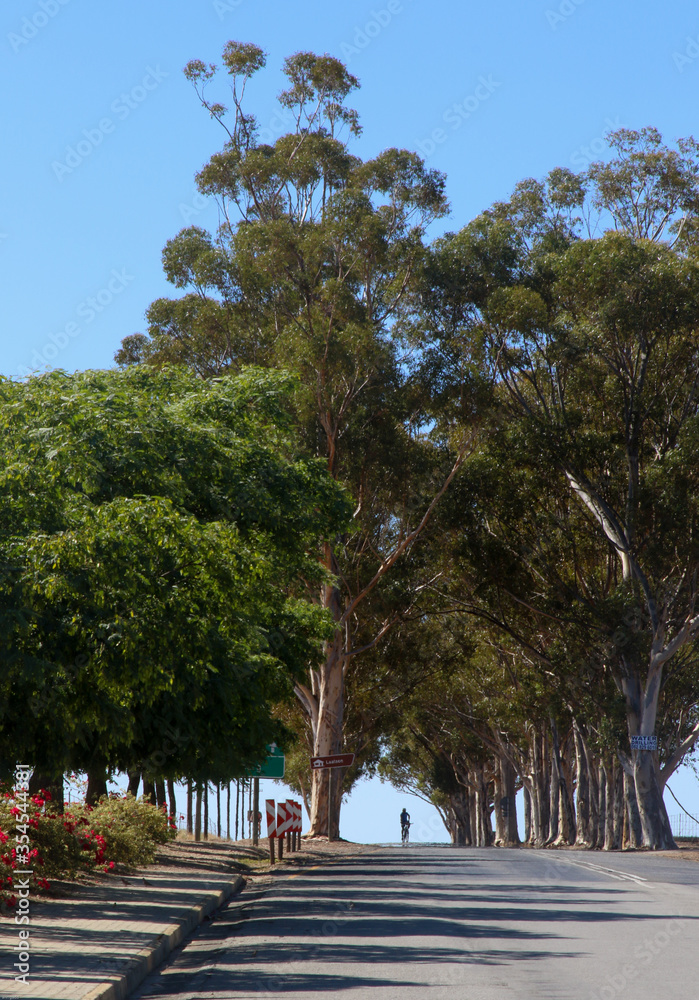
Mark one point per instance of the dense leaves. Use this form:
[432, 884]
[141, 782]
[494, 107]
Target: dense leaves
[157, 529]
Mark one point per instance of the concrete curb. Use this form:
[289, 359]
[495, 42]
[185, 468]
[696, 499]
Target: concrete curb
[119, 986]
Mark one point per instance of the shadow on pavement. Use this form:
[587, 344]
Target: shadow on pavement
[373, 912]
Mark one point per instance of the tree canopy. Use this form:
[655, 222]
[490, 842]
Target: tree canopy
[159, 532]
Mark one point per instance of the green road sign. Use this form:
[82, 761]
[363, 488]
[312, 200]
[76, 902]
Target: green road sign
[273, 767]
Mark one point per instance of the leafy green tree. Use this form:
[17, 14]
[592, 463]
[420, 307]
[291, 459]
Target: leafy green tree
[158, 534]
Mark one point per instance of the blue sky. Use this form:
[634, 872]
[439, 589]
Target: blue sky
[103, 135]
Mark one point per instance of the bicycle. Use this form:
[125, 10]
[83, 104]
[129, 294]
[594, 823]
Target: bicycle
[405, 833]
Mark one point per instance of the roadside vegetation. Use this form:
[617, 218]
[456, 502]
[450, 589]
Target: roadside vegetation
[76, 840]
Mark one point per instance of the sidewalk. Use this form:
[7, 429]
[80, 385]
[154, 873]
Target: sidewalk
[102, 941]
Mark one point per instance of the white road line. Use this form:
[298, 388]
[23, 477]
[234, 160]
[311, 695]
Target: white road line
[612, 872]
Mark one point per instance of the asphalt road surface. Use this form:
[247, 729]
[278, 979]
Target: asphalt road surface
[443, 923]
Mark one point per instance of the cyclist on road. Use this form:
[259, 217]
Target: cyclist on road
[404, 824]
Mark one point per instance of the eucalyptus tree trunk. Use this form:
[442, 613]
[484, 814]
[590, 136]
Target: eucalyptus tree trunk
[459, 813]
[527, 815]
[323, 699]
[614, 802]
[328, 690]
[634, 830]
[582, 788]
[641, 684]
[641, 712]
[484, 829]
[561, 774]
[555, 804]
[497, 805]
[544, 785]
[603, 813]
[505, 804]
[593, 796]
[537, 783]
[618, 811]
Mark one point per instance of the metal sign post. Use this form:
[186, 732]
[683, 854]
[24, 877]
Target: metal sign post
[255, 811]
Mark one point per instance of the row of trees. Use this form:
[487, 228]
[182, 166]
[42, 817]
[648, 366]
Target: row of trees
[512, 407]
[569, 540]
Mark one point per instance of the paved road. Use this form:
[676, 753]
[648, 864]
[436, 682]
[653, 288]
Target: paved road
[442, 923]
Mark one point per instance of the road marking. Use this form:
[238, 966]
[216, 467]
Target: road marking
[287, 878]
[611, 872]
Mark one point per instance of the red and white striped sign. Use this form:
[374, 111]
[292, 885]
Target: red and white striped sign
[282, 820]
[299, 817]
[271, 818]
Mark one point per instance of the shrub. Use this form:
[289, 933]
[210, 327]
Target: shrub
[83, 839]
[132, 828]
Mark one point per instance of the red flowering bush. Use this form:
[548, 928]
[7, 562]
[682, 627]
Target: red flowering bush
[132, 828]
[20, 856]
[52, 845]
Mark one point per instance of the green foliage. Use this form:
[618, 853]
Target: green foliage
[132, 828]
[156, 532]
